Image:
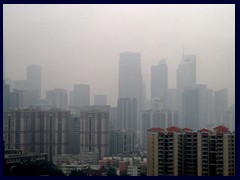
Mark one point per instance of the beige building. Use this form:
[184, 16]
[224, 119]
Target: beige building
[37, 131]
[94, 129]
[182, 152]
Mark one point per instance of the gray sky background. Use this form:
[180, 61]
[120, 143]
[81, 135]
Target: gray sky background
[81, 43]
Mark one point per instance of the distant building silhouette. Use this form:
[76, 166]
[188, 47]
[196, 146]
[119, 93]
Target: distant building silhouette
[130, 80]
[100, 100]
[159, 82]
[81, 95]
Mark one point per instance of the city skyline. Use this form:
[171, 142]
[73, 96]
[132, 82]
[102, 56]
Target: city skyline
[214, 50]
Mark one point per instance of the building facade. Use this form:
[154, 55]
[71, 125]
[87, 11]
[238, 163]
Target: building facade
[159, 82]
[36, 131]
[122, 142]
[94, 129]
[183, 152]
[81, 95]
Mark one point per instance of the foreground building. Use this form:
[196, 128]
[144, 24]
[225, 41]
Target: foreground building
[182, 152]
[37, 131]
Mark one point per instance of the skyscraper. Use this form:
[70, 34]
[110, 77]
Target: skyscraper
[159, 81]
[94, 129]
[100, 100]
[127, 114]
[186, 76]
[122, 142]
[220, 104]
[81, 95]
[34, 76]
[130, 80]
[58, 98]
[186, 72]
[194, 107]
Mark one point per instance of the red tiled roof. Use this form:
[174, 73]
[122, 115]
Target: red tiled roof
[174, 129]
[221, 129]
[204, 130]
[187, 129]
[155, 129]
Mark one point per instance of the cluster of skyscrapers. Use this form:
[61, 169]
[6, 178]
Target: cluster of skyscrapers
[66, 123]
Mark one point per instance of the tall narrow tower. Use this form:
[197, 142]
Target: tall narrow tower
[130, 79]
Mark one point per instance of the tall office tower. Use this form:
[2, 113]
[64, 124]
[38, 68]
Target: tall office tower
[58, 98]
[220, 104]
[94, 129]
[183, 152]
[14, 99]
[81, 95]
[100, 100]
[37, 131]
[113, 118]
[172, 99]
[28, 98]
[216, 152]
[159, 81]
[21, 85]
[210, 106]
[194, 107]
[155, 118]
[122, 142]
[34, 78]
[71, 97]
[230, 118]
[6, 96]
[130, 80]
[186, 76]
[127, 113]
[74, 134]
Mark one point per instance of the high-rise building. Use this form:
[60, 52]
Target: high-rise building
[34, 78]
[100, 100]
[81, 95]
[159, 81]
[216, 152]
[127, 114]
[6, 96]
[172, 99]
[186, 72]
[155, 118]
[194, 107]
[220, 104]
[21, 85]
[94, 129]
[230, 118]
[183, 152]
[210, 106]
[37, 131]
[122, 142]
[74, 134]
[130, 80]
[58, 98]
[186, 76]
[113, 118]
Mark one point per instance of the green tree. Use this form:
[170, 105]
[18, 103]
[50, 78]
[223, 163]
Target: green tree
[77, 173]
[111, 172]
[36, 168]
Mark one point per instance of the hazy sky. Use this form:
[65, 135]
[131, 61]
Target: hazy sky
[81, 43]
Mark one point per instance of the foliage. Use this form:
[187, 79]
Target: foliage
[77, 173]
[111, 172]
[36, 168]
